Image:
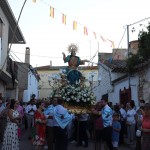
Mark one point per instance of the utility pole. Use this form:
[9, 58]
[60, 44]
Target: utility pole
[128, 42]
[128, 47]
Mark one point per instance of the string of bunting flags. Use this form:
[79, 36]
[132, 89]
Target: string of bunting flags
[86, 31]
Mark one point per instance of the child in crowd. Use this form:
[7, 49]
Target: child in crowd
[116, 127]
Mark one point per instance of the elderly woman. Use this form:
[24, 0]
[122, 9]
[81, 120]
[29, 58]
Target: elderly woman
[146, 128]
[10, 139]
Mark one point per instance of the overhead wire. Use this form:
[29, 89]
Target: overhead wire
[120, 42]
[42, 55]
[18, 64]
[90, 61]
[125, 31]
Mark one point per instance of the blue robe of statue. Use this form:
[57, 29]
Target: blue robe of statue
[73, 74]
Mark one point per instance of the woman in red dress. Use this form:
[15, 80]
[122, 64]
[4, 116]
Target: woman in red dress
[146, 128]
[40, 127]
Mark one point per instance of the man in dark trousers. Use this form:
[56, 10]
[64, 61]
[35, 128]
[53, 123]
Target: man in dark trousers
[107, 123]
[61, 119]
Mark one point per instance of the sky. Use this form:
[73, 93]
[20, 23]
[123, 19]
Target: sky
[47, 37]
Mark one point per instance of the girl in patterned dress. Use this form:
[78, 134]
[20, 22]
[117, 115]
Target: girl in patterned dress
[10, 139]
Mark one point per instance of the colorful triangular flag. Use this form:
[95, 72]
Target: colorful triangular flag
[52, 12]
[85, 31]
[64, 19]
[112, 43]
[74, 25]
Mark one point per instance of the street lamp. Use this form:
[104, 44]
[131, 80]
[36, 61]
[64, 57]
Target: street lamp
[92, 81]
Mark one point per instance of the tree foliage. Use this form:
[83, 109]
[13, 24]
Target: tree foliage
[144, 44]
[143, 53]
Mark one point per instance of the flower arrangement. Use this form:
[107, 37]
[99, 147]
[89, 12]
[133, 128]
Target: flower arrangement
[78, 96]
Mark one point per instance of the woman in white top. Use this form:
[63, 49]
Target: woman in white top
[10, 139]
[131, 121]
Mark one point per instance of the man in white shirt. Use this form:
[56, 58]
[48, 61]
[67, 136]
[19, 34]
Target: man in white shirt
[83, 122]
[61, 119]
[107, 123]
[30, 110]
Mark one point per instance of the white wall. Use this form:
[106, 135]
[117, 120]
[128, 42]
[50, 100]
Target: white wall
[105, 82]
[146, 86]
[4, 41]
[32, 88]
[114, 96]
[106, 87]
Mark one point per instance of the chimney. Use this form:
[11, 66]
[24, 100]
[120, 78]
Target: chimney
[27, 55]
[50, 63]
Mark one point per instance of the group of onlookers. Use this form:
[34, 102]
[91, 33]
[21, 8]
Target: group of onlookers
[121, 124]
[46, 124]
[10, 117]
[50, 124]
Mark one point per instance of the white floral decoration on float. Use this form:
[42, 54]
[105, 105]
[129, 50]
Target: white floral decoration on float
[77, 95]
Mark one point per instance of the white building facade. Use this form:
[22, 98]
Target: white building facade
[32, 87]
[8, 68]
[112, 83]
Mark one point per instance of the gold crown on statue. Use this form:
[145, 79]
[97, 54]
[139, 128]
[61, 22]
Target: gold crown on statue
[73, 48]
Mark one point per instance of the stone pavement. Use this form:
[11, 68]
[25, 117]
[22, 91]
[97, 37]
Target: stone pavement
[25, 144]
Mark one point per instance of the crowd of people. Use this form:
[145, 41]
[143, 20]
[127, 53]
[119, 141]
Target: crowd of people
[122, 124]
[50, 124]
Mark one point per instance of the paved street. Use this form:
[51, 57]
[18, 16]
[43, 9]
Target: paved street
[25, 144]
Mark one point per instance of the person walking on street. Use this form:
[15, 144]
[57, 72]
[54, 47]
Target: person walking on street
[40, 127]
[116, 127]
[98, 126]
[131, 122]
[145, 142]
[82, 136]
[123, 116]
[61, 119]
[30, 111]
[107, 123]
[49, 113]
[1, 120]
[10, 139]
